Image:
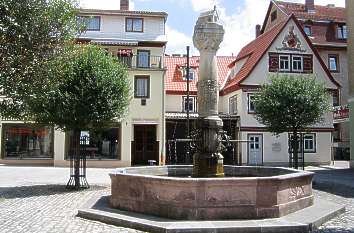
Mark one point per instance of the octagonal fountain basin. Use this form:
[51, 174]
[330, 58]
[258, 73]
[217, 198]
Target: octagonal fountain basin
[245, 193]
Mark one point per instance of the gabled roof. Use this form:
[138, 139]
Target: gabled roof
[174, 83]
[256, 49]
[253, 52]
[321, 13]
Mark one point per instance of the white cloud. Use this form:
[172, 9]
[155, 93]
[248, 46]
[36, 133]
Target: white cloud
[201, 5]
[177, 42]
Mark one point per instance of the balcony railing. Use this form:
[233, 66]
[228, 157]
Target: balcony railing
[142, 62]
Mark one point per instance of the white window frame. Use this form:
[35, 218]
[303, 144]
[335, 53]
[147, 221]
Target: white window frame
[193, 100]
[306, 150]
[249, 97]
[191, 74]
[301, 62]
[280, 61]
[233, 105]
[314, 141]
[342, 32]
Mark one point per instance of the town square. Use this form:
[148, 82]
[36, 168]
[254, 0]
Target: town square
[119, 116]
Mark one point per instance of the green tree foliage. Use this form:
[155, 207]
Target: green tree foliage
[30, 32]
[86, 89]
[291, 103]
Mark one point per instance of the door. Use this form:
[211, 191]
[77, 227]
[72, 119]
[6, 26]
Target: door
[143, 59]
[255, 149]
[144, 146]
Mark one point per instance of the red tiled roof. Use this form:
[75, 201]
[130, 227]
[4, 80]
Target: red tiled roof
[253, 52]
[336, 14]
[174, 83]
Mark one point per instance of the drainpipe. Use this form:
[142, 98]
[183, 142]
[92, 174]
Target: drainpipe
[350, 52]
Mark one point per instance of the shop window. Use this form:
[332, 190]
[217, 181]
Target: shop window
[98, 145]
[27, 141]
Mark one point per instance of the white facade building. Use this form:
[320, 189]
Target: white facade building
[138, 39]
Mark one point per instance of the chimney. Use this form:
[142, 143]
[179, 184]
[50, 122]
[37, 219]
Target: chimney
[310, 5]
[124, 5]
[258, 30]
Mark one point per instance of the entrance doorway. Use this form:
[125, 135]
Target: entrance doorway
[255, 149]
[144, 147]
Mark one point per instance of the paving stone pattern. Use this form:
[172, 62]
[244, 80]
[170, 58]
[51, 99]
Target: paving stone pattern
[35, 200]
[49, 208]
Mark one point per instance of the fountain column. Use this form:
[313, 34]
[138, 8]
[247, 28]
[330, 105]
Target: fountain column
[350, 52]
[208, 34]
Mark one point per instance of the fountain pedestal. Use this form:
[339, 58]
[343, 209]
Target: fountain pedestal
[208, 161]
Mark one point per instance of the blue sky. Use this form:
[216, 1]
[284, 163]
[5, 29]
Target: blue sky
[239, 18]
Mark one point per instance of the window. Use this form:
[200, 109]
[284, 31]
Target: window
[337, 133]
[273, 16]
[191, 104]
[191, 74]
[308, 143]
[308, 30]
[134, 24]
[142, 87]
[284, 63]
[333, 62]
[27, 141]
[98, 145]
[251, 107]
[233, 105]
[297, 63]
[143, 59]
[91, 23]
[336, 98]
[342, 32]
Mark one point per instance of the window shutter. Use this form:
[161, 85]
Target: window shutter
[308, 64]
[273, 62]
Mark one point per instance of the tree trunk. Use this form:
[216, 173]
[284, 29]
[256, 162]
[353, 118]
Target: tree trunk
[76, 142]
[295, 149]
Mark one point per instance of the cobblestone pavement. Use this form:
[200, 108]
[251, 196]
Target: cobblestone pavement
[49, 208]
[34, 200]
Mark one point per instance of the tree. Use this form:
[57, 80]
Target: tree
[85, 89]
[31, 31]
[291, 103]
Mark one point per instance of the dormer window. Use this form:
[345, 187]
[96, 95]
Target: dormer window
[191, 74]
[91, 23]
[134, 24]
[342, 32]
[308, 30]
[273, 16]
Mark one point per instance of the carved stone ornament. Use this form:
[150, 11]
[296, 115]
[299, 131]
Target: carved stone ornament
[292, 42]
[208, 33]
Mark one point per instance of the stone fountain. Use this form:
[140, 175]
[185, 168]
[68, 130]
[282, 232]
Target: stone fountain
[208, 189]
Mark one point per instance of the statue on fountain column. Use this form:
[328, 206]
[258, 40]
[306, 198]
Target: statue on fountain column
[208, 35]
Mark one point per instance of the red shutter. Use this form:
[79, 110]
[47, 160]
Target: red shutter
[273, 62]
[308, 64]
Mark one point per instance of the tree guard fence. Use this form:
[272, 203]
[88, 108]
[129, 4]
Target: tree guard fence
[77, 178]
